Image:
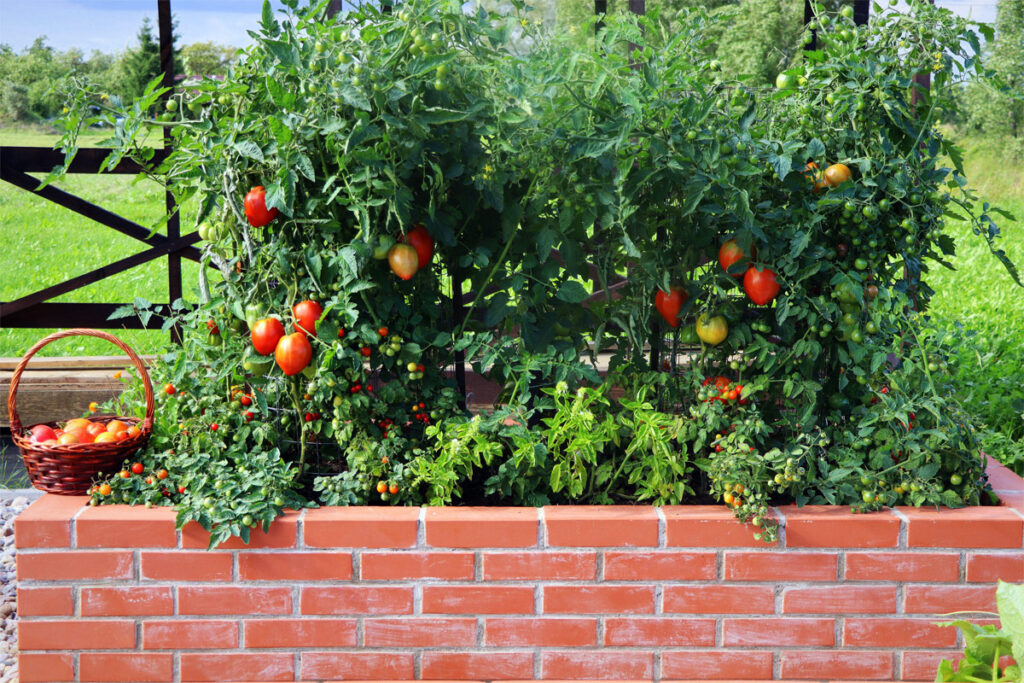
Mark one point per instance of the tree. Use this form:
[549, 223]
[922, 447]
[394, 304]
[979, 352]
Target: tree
[1008, 60]
[140, 64]
[206, 59]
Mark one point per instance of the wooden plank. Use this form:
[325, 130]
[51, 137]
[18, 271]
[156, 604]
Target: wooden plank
[87, 160]
[73, 362]
[80, 315]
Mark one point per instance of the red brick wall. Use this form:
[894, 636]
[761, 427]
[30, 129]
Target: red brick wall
[115, 593]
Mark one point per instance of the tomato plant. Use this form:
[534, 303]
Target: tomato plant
[413, 187]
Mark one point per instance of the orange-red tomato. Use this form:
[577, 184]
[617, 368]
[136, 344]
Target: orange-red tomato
[307, 313]
[76, 423]
[728, 254]
[266, 333]
[116, 426]
[293, 353]
[256, 211]
[837, 174]
[420, 240]
[68, 438]
[404, 261]
[670, 303]
[106, 437]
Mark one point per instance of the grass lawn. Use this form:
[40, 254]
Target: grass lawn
[42, 244]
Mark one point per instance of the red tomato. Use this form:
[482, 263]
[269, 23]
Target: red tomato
[760, 285]
[256, 208]
[728, 254]
[41, 433]
[404, 261]
[137, 468]
[837, 174]
[307, 313]
[265, 335]
[420, 240]
[293, 353]
[670, 303]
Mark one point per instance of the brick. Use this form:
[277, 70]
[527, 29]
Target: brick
[182, 565]
[706, 526]
[300, 633]
[283, 533]
[902, 567]
[356, 665]
[179, 634]
[478, 600]
[489, 666]
[773, 566]
[715, 599]
[303, 566]
[361, 527]
[80, 634]
[777, 632]
[896, 632]
[991, 568]
[126, 526]
[556, 632]
[862, 665]
[659, 632]
[46, 523]
[77, 566]
[597, 665]
[601, 525]
[477, 527]
[419, 632]
[234, 600]
[45, 602]
[356, 600]
[945, 599]
[717, 665]
[127, 602]
[241, 666]
[827, 526]
[601, 599]
[1003, 479]
[658, 566]
[36, 667]
[124, 666]
[971, 527]
[840, 600]
[541, 566]
[921, 665]
[388, 566]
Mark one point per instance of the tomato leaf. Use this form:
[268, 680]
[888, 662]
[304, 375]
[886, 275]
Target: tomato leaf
[572, 291]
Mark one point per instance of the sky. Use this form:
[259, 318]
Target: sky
[111, 25]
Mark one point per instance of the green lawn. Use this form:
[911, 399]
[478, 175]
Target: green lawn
[42, 244]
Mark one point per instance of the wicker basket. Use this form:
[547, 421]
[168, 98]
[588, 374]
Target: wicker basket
[70, 469]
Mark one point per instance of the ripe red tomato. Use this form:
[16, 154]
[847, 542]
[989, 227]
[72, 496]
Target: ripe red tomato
[307, 313]
[420, 240]
[256, 208]
[41, 433]
[728, 254]
[265, 335]
[169, 389]
[162, 474]
[404, 261]
[760, 285]
[670, 303]
[293, 353]
[137, 468]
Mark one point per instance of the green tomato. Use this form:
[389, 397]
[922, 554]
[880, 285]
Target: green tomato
[956, 480]
[860, 264]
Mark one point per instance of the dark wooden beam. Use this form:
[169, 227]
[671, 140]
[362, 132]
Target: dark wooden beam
[808, 16]
[166, 24]
[10, 307]
[80, 315]
[600, 7]
[861, 12]
[91, 211]
[87, 160]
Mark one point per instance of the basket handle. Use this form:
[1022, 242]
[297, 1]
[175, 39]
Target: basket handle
[12, 412]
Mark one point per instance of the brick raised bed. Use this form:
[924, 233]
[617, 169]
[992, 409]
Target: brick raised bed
[115, 593]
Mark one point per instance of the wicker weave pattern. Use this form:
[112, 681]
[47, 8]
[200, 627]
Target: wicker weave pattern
[70, 469]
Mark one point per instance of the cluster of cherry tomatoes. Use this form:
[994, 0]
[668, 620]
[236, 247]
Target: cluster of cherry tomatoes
[722, 389]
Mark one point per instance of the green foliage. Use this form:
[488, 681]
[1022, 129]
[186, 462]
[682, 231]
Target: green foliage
[986, 646]
[998, 107]
[543, 178]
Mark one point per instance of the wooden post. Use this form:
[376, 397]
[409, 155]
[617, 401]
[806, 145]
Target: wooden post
[808, 16]
[166, 28]
[600, 7]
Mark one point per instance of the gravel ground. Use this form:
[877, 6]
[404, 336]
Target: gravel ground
[9, 509]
